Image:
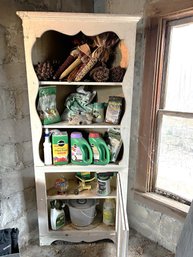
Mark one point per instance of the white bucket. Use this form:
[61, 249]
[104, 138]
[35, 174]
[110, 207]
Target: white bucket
[82, 211]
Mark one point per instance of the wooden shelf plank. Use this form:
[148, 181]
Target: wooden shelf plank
[65, 124]
[65, 83]
[80, 168]
[86, 194]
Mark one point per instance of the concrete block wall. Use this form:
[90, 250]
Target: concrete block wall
[132, 7]
[17, 187]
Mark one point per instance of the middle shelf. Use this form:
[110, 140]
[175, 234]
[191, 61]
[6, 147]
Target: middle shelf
[76, 168]
[81, 185]
[65, 124]
[82, 147]
[83, 104]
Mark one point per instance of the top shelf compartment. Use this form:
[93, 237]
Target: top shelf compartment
[60, 58]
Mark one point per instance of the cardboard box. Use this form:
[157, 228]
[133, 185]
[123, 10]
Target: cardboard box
[60, 148]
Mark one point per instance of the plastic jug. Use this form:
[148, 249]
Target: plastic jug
[57, 215]
[81, 152]
[101, 152]
[109, 212]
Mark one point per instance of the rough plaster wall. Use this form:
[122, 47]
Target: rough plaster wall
[132, 7]
[17, 189]
[152, 224]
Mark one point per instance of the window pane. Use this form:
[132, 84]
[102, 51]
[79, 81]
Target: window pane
[179, 78]
[175, 157]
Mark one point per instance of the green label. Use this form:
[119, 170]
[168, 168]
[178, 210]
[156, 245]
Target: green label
[60, 221]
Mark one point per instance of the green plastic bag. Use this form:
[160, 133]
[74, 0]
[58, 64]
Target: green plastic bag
[47, 105]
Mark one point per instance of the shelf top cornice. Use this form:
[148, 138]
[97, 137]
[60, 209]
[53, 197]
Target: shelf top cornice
[24, 15]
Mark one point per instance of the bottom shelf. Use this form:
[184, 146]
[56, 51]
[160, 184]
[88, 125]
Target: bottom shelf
[95, 231]
[96, 225]
[70, 233]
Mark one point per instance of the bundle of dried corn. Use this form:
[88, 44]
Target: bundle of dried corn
[103, 43]
[82, 51]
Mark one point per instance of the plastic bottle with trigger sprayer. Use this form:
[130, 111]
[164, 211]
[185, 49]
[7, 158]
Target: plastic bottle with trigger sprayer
[57, 215]
[47, 148]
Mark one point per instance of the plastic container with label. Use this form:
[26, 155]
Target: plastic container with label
[47, 148]
[109, 212]
[98, 112]
[60, 148]
[81, 152]
[103, 184]
[57, 215]
[101, 152]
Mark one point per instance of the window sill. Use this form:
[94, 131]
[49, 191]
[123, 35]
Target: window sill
[163, 204]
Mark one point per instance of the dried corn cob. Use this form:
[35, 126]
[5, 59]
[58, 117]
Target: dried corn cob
[70, 68]
[85, 68]
[85, 59]
[73, 73]
[70, 59]
[83, 50]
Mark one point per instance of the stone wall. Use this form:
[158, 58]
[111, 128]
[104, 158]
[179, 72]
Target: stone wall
[17, 188]
[132, 7]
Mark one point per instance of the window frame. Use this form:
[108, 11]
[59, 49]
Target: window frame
[162, 111]
[155, 37]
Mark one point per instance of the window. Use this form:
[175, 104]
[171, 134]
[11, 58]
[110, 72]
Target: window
[174, 155]
[165, 163]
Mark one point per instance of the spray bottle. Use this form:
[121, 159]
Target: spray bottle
[57, 215]
[47, 148]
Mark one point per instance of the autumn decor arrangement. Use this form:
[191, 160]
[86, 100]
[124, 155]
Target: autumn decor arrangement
[94, 58]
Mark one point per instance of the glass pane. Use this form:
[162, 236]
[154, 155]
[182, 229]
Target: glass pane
[179, 77]
[175, 157]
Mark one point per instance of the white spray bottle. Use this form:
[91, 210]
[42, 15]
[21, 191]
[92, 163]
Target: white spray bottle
[47, 148]
[57, 215]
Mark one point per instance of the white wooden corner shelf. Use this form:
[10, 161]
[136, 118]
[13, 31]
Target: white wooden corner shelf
[35, 26]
